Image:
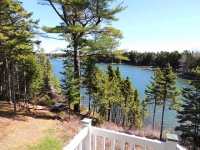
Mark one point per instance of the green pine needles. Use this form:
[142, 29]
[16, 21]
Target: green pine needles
[115, 99]
[189, 113]
[83, 21]
[161, 90]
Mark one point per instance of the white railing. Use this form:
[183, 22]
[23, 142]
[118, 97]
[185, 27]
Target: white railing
[77, 141]
[87, 140]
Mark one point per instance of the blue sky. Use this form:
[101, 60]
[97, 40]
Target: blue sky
[147, 25]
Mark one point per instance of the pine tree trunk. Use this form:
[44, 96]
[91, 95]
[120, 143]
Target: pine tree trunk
[4, 83]
[76, 72]
[154, 113]
[25, 93]
[8, 80]
[13, 89]
[123, 120]
[89, 101]
[162, 120]
[17, 76]
[109, 110]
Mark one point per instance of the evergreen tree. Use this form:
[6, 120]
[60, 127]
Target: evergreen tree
[128, 94]
[144, 111]
[17, 29]
[46, 70]
[189, 113]
[69, 84]
[100, 92]
[88, 73]
[80, 19]
[168, 92]
[117, 108]
[112, 76]
[134, 110]
[153, 93]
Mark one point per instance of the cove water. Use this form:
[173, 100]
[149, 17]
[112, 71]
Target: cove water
[139, 78]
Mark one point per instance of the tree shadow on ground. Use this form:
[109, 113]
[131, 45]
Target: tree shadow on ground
[7, 111]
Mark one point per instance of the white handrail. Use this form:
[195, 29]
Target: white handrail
[77, 140]
[132, 139]
[179, 147]
[82, 141]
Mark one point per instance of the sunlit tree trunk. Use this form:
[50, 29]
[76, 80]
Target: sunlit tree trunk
[8, 80]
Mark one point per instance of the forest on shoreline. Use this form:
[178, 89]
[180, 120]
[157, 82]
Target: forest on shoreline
[27, 75]
[184, 62]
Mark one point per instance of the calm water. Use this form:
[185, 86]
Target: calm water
[140, 78]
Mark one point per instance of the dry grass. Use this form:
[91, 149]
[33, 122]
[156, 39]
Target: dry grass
[71, 127]
[19, 134]
[30, 127]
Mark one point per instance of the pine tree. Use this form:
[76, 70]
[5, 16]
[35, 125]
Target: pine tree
[69, 84]
[88, 72]
[128, 94]
[168, 92]
[100, 92]
[153, 93]
[17, 29]
[112, 76]
[144, 111]
[134, 110]
[117, 107]
[189, 113]
[80, 19]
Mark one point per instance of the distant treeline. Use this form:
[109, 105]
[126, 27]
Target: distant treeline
[184, 62]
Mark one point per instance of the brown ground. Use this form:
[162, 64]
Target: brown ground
[28, 128]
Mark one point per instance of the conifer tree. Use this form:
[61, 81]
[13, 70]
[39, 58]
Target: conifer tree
[80, 19]
[101, 91]
[96, 90]
[144, 111]
[168, 92]
[17, 29]
[128, 94]
[189, 113]
[111, 76]
[117, 108]
[153, 93]
[88, 72]
[69, 84]
[134, 110]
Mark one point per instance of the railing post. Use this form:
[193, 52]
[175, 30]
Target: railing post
[87, 141]
[171, 141]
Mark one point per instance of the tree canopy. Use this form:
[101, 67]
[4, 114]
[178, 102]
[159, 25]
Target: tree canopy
[82, 22]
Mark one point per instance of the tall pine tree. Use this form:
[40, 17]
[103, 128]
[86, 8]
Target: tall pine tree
[168, 92]
[153, 93]
[83, 20]
[189, 113]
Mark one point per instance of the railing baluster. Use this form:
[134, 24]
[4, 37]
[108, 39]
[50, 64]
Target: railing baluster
[82, 141]
[80, 146]
[131, 146]
[94, 142]
[122, 145]
[113, 144]
[134, 147]
[103, 143]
